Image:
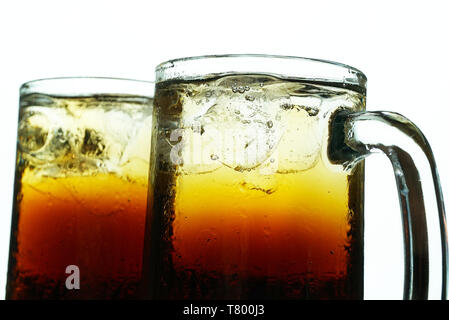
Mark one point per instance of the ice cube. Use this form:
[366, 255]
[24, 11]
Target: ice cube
[93, 144]
[242, 133]
[32, 131]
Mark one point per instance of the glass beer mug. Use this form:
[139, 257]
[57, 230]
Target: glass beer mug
[81, 189]
[257, 180]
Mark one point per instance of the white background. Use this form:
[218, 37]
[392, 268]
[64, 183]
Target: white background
[400, 45]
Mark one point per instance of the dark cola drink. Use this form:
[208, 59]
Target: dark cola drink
[80, 197]
[244, 202]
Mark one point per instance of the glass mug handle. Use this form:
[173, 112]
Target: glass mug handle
[355, 135]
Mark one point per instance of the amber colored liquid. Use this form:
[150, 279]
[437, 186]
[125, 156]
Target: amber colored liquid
[80, 197]
[226, 239]
[93, 222]
[222, 226]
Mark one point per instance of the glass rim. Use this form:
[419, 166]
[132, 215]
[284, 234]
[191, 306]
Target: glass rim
[307, 68]
[87, 85]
